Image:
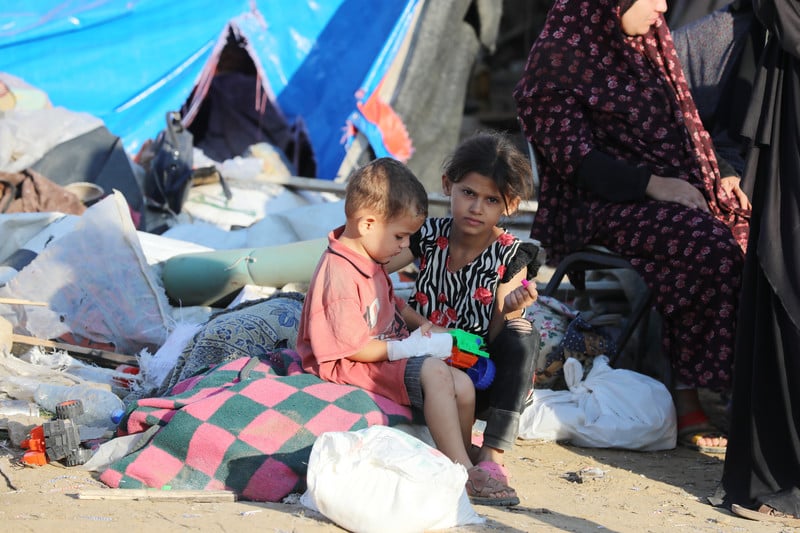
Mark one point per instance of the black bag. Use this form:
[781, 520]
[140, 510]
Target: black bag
[169, 177]
[98, 157]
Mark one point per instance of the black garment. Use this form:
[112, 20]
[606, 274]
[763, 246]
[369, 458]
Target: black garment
[682, 12]
[762, 465]
[619, 181]
[719, 52]
[96, 156]
[502, 405]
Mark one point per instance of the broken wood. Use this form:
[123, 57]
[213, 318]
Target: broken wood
[198, 496]
[92, 354]
[5, 336]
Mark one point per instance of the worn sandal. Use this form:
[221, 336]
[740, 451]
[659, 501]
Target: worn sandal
[483, 489]
[765, 513]
[694, 426]
[495, 470]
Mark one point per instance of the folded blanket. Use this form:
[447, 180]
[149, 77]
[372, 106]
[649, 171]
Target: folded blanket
[246, 425]
[251, 329]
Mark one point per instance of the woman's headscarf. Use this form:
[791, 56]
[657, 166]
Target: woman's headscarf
[589, 86]
[625, 5]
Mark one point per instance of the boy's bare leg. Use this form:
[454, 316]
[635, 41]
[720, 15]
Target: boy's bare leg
[446, 401]
[449, 409]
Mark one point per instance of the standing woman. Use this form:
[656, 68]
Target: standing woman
[626, 164]
[762, 468]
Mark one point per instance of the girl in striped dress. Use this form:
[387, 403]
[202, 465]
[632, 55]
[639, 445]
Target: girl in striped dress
[473, 275]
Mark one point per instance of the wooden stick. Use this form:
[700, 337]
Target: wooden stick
[308, 184]
[91, 353]
[313, 184]
[201, 496]
[17, 301]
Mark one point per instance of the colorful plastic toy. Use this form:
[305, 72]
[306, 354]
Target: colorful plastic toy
[58, 439]
[469, 356]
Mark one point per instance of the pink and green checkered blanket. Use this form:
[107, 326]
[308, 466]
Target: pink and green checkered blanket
[246, 426]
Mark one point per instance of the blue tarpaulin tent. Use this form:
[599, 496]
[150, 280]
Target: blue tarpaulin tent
[129, 62]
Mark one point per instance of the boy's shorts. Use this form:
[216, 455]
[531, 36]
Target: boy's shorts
[413, 382]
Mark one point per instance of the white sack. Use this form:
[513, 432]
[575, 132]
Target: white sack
[611, 408]
[381, 479]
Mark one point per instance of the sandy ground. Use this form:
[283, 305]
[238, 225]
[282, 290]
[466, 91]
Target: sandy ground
[632, 491]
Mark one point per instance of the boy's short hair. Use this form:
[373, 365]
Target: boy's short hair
[387, 187]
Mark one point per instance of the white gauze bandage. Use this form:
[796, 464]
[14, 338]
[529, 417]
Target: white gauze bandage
[436, 345]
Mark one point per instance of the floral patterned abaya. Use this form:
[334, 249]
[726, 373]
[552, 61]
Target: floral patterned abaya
[589, 87]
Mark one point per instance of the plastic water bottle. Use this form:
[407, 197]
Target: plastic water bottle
[18, 408]
[10, 408]
[101, 407]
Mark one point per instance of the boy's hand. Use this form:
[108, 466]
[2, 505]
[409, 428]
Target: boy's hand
[426, 328]
[429, 327]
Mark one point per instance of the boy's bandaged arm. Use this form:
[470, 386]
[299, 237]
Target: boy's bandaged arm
[436, 345]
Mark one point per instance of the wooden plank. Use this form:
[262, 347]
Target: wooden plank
[308, 184]
[93, 354]
[336, 187]
[17, 301]
[199, 496]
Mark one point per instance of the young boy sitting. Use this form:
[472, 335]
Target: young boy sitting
[354, 330]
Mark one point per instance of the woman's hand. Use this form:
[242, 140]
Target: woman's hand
[731, 185]
[677, 191]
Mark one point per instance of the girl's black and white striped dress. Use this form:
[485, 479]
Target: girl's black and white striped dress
[463, 299]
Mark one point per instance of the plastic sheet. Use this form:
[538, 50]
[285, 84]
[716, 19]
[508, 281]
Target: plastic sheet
[311, 56]
[97, 284]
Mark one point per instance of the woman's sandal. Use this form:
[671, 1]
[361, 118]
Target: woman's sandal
[765, 513]
[483, 489]
[695, 426]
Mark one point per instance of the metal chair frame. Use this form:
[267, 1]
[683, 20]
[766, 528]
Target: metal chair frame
[574, 267]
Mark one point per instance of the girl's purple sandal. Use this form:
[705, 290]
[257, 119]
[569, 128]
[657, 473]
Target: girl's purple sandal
[495, 470]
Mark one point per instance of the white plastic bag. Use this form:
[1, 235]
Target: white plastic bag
[384, 480]
[611, 408]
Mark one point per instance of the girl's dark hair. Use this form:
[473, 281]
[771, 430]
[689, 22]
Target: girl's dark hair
[493, 154]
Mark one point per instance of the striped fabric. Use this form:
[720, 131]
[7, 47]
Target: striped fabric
[440, 292]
